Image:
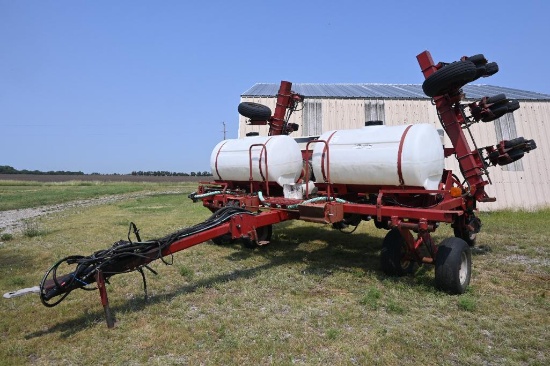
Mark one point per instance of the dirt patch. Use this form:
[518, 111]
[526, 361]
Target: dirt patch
[13, 221]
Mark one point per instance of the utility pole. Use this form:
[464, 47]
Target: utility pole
[224, 130]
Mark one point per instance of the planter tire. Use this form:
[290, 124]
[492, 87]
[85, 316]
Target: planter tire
[254, 111]
[453, 266]
[223, 240]
[461, 231]
[392, 255]
[449, 77]
[264, 234]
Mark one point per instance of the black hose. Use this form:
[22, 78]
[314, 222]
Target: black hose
[123, 253]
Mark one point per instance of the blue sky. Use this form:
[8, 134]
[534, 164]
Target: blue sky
[116, 86]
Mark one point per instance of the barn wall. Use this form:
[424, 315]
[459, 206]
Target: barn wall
[516, 186]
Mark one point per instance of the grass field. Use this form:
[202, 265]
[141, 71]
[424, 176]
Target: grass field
[313, 296]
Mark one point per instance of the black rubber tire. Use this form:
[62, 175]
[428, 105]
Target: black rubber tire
[449, 78]
[254, 111]
[478, 59]
[515, 154]
[392, 255]
[460, 232]
[496, 99]
[501, 109]
[264, 234]
[453, 266]
[514, 142]
[223, 240]
[491, 68]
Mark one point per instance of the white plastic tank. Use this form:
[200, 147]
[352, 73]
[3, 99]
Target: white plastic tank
[230, 159]
[372, 156]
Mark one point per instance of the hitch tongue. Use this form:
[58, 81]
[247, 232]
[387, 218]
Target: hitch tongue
[22, 292]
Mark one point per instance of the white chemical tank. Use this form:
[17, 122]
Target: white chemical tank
[230, 159]
[410, 155]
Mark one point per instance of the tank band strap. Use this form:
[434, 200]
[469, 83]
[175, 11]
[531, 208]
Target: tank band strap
[216, 163]
[399, 157]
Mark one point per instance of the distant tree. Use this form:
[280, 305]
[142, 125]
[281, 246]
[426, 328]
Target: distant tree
[6, 169]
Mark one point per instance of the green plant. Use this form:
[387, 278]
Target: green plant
[6, 237]
[466, 302]
[370, 299]
[186, 272]
[31, 229]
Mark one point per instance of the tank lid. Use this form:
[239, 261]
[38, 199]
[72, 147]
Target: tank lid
[374, 123]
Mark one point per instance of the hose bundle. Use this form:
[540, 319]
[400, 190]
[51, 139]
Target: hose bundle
[124, 256]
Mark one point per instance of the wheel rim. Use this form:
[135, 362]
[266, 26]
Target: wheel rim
[463, 271]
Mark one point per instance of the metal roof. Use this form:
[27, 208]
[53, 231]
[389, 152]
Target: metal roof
[386, 91]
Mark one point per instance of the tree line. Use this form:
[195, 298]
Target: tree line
[6, 169]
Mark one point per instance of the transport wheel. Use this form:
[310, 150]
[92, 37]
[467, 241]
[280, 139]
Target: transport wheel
[449, 77]
[468, 236]
[393, 255]
[264, 235]
[254, 111]
[461, 231]
[453, 266]
[223, 240]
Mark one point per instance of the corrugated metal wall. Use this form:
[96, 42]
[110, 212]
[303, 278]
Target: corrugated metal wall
[517, 186]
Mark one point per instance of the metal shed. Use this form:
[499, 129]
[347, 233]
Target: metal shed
[346, 106]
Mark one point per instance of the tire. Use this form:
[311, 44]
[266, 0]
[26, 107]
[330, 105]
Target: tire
[491, 68]
[223, 240]
[514, 142]
[264, 234]
[453, 266]
[448, 78]
[462, 232]
[254, 111]
[392, 256]
[496, 99]
[478, 59]
[501, 109]
[515, 154]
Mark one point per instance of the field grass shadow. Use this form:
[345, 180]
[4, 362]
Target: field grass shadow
[323, 250]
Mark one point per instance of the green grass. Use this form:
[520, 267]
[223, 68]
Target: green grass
[313, 296]
[19, 194]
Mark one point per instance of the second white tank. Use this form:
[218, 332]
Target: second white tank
[410, 155]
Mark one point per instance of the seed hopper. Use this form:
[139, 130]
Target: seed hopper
[393, 176]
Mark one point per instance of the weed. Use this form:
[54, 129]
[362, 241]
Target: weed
[332, 334]
[31, 229]
[393, 306]
[370, 299]
[6, 237]
[186, 272]
[467, 302]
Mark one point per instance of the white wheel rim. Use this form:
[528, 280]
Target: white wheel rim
[463, 271]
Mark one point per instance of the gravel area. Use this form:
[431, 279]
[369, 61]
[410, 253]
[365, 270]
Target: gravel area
[13, 221]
